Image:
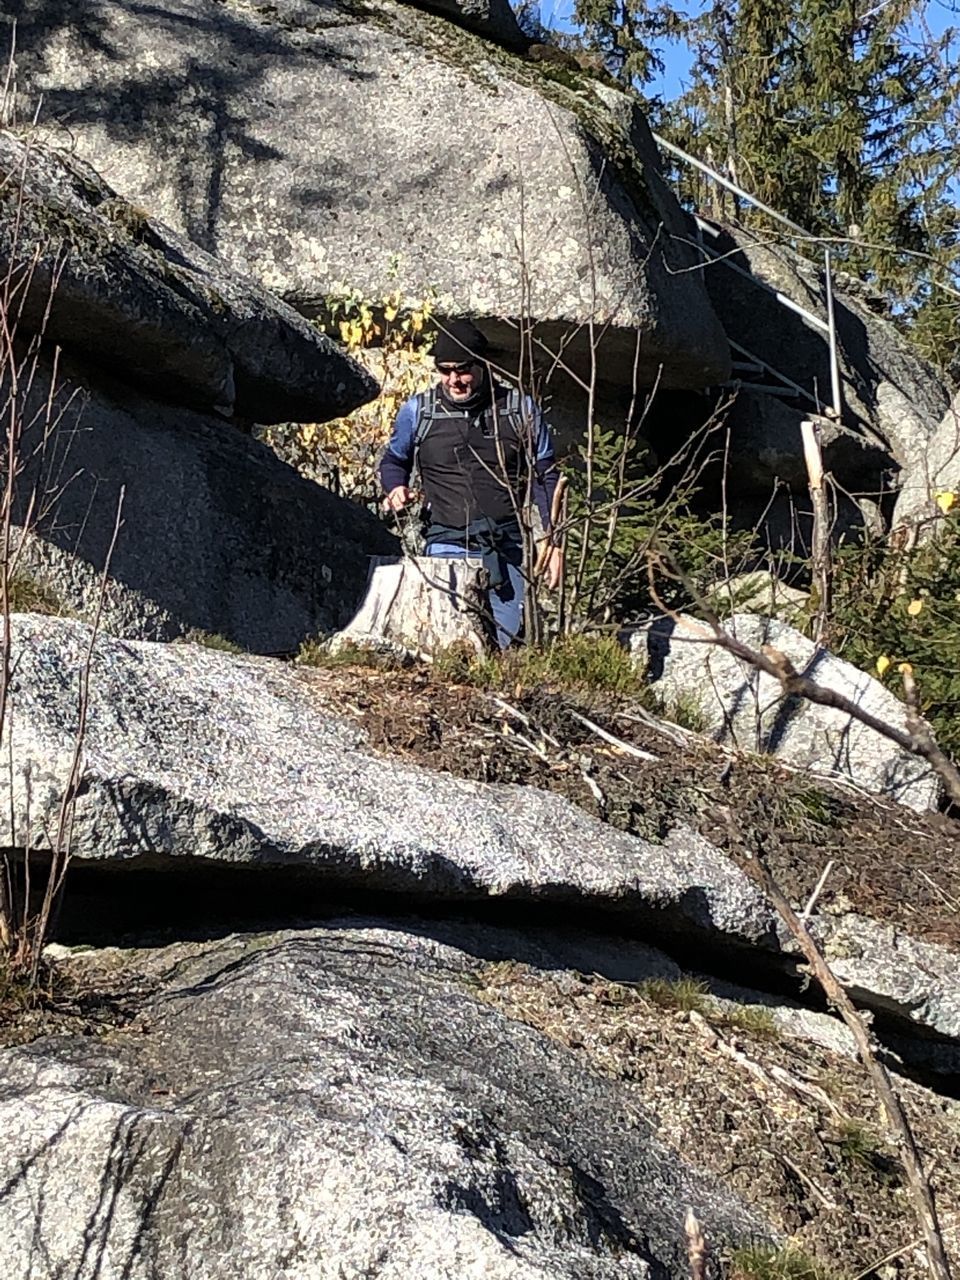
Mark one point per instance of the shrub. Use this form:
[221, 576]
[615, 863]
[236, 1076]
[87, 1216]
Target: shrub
[894, 606]
[623, 511]
[392, 337]
[596, 663]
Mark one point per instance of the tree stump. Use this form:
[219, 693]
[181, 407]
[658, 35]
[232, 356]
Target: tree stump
[419, 606]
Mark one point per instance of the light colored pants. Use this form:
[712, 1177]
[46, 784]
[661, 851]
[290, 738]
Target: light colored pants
[506, 601]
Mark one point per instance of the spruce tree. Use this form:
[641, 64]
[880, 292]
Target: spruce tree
[628, 35]
[843, 118]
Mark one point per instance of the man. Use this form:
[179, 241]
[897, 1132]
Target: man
[480, 448]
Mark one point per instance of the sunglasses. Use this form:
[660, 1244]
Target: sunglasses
[446, 369]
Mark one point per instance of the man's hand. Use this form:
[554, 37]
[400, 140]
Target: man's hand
[398, 498]
[552, 568]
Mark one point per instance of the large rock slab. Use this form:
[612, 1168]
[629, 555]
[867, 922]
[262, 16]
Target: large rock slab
[739, 705]
[921, 984]
[234, 761]
[322, 146]
[333, 1104]
[101, 278]
[217, 534]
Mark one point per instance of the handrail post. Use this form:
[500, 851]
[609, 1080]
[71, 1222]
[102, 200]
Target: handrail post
[835, 393]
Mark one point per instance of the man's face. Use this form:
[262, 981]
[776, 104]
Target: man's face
[460, 381]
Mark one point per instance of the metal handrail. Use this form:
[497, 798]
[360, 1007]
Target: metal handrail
[780, 297]
[835, 410]
[769, 368]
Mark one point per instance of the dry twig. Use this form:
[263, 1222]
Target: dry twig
[696, 1245]
[626, 747]
[817, 890]
[898, 1124]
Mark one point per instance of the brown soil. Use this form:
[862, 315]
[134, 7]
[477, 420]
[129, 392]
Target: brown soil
[794, 1128]
[67, 1002]
[888, 862]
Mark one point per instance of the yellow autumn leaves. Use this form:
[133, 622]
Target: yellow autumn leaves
[389, 335]
[913, 610]
[883, 665]
[404, 319]
[947, 500]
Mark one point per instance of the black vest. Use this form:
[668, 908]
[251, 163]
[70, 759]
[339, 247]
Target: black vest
[472, 467]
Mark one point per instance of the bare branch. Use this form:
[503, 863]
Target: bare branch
[896, 1117]
[917, 739]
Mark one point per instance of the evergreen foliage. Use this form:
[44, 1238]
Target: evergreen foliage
[891, 608]
[622, 510]
[628, 35]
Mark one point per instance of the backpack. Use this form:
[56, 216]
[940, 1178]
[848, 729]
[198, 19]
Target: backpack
[430, 408]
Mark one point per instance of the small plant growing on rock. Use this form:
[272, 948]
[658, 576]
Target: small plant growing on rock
[686, 711]
[684, 994]
[211, 640]
[860, 1147]
[770, 1262]
[754, 1019]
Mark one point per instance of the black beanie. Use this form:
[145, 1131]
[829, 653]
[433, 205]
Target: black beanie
[459, 342]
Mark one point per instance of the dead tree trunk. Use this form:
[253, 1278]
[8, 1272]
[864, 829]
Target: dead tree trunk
[421, 605]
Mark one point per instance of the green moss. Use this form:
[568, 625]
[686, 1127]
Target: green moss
[27, 595]
[677, 993]
[212, 640]
[317, 653]
[131, 218]
[806, 806]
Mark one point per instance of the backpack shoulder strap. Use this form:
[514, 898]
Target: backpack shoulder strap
[510, 409]
[427, 412]
[513, 408]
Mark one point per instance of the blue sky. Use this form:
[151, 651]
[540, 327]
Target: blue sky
[555, 14]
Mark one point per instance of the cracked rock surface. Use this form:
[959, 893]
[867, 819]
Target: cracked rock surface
[328, 1104]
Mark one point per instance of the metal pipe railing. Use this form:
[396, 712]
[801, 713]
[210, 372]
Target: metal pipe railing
[731, 186]
[780, 297]
[795, 386]
[834, 360]
[836, 408]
